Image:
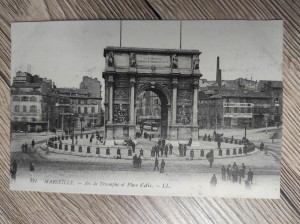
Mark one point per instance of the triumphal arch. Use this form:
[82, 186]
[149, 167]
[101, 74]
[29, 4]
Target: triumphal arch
[172, 74]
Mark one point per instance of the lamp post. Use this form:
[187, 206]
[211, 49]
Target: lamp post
[73, 134]
[245, 144]
[81, 120]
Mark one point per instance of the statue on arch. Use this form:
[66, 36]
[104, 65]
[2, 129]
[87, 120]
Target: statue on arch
[174, 61]
[110, 59]
[196, 62]
[132, 60]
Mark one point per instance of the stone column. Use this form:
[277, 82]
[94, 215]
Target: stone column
[132, 110]
[195, 127]
[109, 126]
[173, 127]
[110, 104]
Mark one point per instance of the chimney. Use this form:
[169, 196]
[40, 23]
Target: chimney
[218, 73]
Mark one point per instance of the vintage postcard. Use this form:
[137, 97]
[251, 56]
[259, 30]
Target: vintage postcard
[162, 108]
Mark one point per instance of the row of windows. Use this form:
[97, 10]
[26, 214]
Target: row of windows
[85, 110]
[247, 110]
[25, 119]
[32, 109]
[24, 98]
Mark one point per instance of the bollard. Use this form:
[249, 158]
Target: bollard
[234, 151]
[152, 153]
[202, 153]
[97, 150]
[227, 152]
[141, 152]
[55, 145]
[240, 150]
[80, 148]
[72, 148]
[236, 141]
[88, 149]
[60, 146]
[129, 152]
[87, 136]
[107, 151]
[62, 137]
[220, 152]
[66, 147]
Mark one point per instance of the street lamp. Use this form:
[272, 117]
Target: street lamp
[81, 120]
[246, 123]
[73, 134]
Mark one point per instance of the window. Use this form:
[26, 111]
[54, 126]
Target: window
[24, 109]
[16, 98]
[79, 110]
[33, 119]
[17, 108]
[85, 110]
[93, 110]
[33, 109]
[24, 98]
[24, 119]
[33, 98]
[16, 119]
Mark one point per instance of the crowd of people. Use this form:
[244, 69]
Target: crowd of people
[236, 174]
[162, 148]
[14, 169]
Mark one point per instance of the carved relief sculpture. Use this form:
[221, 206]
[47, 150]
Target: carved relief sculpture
[121, 113]
[184, 95]
[121, 93]
[183, 115]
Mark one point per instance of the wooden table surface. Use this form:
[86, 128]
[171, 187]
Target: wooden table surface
[30, 207]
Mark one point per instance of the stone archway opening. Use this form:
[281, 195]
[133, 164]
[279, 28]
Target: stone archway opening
[151, 107]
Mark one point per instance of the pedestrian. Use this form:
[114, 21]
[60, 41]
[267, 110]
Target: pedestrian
[171, 148]
[192, 154]
[210, 157]
[31, 168]
[229, 172]
[213, 181]
[23, 147]
[250, 176]
[13, 170]
[156, 164]
[133, 146]
[162, 166]
[150, 137]
[161, 150]
[139, 161]
[190, 141]
[166, 150]
[134, 160]
[185, 149]
[163, 142]
[33, 143]
[159, 142]
[243, 170]
[234, 166]
[223, 170]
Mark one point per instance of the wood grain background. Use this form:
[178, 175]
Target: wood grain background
[28, 207]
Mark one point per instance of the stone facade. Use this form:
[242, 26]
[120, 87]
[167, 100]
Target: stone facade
[173, 75]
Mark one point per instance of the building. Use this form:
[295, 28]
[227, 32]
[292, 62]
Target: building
[94, 87]
[29, 107]
[73, 107]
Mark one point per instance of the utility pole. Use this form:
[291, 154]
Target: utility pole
[180, 34]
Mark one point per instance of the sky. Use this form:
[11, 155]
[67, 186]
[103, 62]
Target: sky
[66, 51]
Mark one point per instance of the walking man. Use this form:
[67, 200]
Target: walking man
[250, 175]
[213, 181]
[171, 148]
[33, 143]
[162, 166]
[223, 170]
[166, 150]
[31, 168]
[156, 164]
[13, 171]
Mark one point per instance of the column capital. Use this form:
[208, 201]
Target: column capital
[132, 81]
[110, 80]
[174, 82]
[196, 83]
